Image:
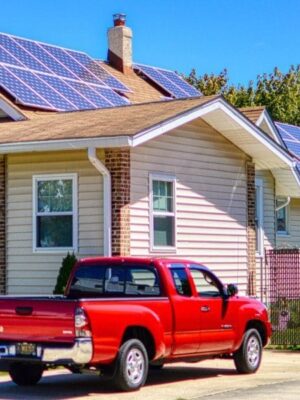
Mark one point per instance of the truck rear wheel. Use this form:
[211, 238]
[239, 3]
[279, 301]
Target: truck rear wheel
[248, 358]
[132, 366]
[26, 374]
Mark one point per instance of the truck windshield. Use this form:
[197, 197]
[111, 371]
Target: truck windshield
[114, 281]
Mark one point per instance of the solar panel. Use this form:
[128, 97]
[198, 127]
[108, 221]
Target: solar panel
[56, 78]
[25, 58]
[177, 80]
[290, 134]
[20, 91]
[95, 68]
[57, 100]
[169, 81]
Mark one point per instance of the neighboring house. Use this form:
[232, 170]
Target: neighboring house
[162, 176]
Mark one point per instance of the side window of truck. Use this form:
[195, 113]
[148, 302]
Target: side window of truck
[205, 284]
[181, 280]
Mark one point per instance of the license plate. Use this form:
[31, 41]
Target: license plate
[26, 349]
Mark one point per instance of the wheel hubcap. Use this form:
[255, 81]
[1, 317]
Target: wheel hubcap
[135, 366]
[253, 351]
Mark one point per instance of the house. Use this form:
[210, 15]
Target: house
[154, 168]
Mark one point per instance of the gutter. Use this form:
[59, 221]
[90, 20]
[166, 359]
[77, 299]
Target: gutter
[100, 167]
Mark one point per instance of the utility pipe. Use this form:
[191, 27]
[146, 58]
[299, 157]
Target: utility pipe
[100, 167]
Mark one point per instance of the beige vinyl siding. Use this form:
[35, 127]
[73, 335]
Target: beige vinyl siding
[268, 219]
[293, 237]
[211, 204]
[35, 273]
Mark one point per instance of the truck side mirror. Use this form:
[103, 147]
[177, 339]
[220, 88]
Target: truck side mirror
[232, 290]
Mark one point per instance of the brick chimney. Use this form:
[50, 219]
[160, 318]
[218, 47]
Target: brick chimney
[120, 45]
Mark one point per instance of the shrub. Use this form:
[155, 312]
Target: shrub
[67, 264]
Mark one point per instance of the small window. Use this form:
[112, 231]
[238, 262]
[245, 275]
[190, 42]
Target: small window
[282, 216]
[163, 211]
[55, 212]
[115, 281]
[205, 284]
[181, 280]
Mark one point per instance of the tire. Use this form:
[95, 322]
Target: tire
[248, 358]
[132, 366]
[26, 374]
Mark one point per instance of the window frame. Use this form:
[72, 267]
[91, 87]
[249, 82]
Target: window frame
[163, 178]
[286, 231]
[53, 177]
[260, 226]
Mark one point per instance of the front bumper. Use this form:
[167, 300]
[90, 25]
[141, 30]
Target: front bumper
[80, 353]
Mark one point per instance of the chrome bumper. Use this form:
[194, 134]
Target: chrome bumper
[80, 353]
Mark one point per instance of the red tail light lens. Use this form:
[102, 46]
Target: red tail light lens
[82, 326]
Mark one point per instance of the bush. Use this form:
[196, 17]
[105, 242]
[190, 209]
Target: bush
[67, 264]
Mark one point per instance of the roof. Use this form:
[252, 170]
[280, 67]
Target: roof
[253, 113]
[117, 121]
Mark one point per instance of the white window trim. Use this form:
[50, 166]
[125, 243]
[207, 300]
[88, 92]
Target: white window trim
[165, 178]
[35, 180]
[260, 230]
[287, 214]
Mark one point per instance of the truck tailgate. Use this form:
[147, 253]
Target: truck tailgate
[37, 319]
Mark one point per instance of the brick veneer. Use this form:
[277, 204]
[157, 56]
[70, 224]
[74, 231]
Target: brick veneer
[251, 236]
[2, 228]
[117, 162]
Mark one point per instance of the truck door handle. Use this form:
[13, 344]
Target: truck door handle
[205, 308]
[24, 310]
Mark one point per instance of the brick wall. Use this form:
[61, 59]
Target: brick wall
[117, 162]
[251, 236]
[2, 228]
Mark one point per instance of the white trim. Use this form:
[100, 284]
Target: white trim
[49, 177]
[267, 119]
[164, 178]
[66, 144]
[100, 167]
[260, 216]
[11, 111]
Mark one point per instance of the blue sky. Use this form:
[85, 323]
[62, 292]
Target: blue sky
[248, 37]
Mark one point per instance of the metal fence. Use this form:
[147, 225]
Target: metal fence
[282, 293]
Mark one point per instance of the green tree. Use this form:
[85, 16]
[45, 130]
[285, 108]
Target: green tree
[68, 263]
[279, 92]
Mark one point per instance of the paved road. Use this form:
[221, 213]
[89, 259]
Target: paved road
[277, 379]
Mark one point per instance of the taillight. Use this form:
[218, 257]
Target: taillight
[82, 326]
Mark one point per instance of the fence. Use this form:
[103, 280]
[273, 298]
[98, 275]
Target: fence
[281, 282]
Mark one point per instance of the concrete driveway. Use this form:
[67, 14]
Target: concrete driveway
[278, 378]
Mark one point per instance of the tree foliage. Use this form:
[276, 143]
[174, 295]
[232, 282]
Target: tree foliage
[279, 92]
[68, 263]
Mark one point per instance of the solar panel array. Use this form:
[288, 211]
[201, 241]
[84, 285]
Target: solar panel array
[48, 77]
[290, 134]
[171, 82]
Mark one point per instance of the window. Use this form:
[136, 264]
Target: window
[55, 212]
[282, 215]
[259, 217]
[163, 225]
[205, 284]
[115, 281]
[181, 280]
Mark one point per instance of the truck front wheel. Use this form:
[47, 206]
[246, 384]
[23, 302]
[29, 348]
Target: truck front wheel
[248, 358]
[26, 374]
[132, 366]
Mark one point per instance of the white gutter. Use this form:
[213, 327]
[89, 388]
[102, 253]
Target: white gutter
[284, 204]
[100, 167]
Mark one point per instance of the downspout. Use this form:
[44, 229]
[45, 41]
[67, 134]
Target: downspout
[100, 167]
[284, 204]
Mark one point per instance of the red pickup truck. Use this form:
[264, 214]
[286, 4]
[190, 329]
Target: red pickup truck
[122, 316]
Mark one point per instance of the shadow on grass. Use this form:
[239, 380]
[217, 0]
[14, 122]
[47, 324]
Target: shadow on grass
[67, 386]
